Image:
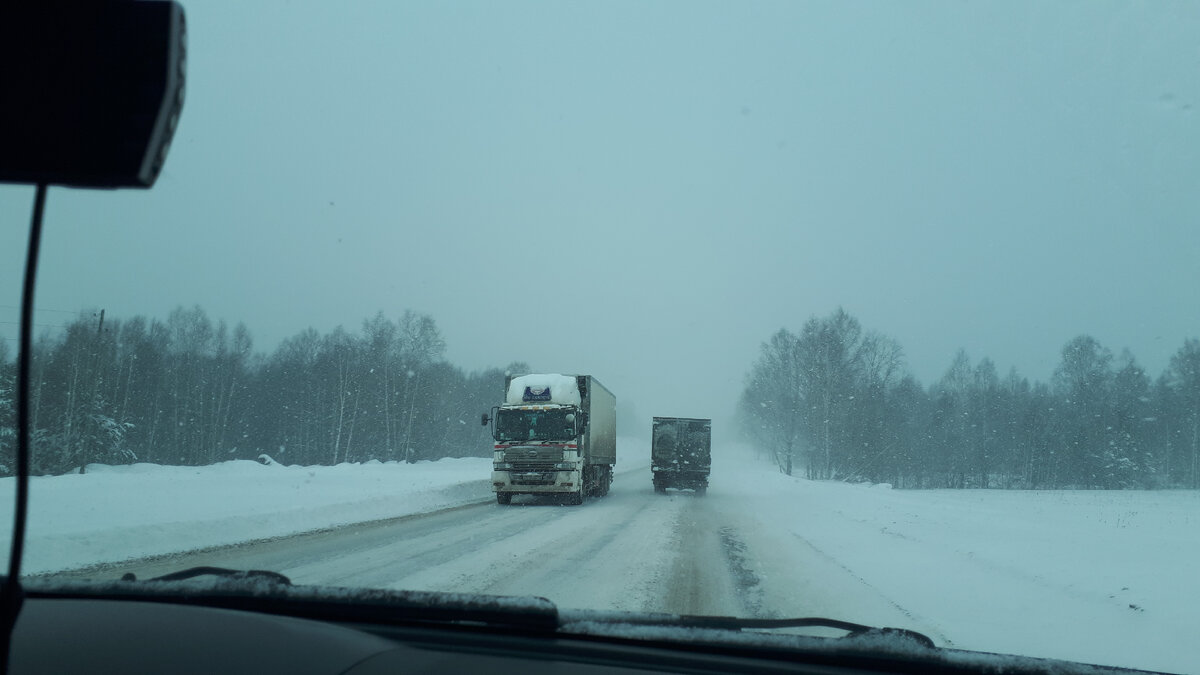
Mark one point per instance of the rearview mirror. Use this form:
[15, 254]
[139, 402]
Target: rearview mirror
[92, 91]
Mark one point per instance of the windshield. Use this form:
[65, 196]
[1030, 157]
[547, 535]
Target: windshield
[929, 268]
[535, 425]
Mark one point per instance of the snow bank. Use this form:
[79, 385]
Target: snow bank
[114, 513]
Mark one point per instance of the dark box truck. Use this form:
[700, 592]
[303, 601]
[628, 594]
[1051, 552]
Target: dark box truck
[680, 453]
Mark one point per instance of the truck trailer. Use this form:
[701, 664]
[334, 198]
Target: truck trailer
[680, 453]
[554, 435]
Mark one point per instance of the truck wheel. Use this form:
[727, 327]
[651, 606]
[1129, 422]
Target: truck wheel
[503, 497]
[702, 490]
[606, 481]
[591, 485]
[660, 488]
[574, 498]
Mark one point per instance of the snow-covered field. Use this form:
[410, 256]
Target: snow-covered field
[1098, 576]
[1106, 577]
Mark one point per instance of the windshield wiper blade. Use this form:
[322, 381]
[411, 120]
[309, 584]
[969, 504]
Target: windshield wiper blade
[207, 571]
[265, 591]
[733, 623]
[852, 629]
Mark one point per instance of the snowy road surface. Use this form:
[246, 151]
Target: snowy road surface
[633, 550]
[1084, 575]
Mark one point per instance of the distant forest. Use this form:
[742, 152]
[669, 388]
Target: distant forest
[833, 401]
[188, 391]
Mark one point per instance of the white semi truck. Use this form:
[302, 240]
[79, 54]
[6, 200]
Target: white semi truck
[554, 435]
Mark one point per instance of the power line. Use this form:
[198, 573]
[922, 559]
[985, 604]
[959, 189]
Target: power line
[42, 309]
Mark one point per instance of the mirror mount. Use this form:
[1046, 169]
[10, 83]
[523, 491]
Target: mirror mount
[491, 420]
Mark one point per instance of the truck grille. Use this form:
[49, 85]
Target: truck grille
[531, 478]
[526, 467]
[533, 464]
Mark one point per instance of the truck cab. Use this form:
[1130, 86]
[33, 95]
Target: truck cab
[555, 434]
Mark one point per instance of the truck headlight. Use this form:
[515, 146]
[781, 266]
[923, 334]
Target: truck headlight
[565, 466]
[502, 466]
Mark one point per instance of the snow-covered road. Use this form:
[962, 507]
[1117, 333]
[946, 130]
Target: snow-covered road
[632, 550]
[732, 552]
[1093, 576]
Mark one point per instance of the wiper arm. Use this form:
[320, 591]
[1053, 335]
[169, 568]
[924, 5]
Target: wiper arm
[852, 629]
[206, 571]
[272, 592]
[733, 623]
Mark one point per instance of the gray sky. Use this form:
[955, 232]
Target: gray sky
[646, 191]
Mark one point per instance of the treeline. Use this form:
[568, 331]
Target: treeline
[191, 391]
[836, 402]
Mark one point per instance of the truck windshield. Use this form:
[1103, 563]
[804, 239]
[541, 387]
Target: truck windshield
[534, 425]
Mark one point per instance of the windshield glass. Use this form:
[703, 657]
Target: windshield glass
[929, 268]
[534, 425]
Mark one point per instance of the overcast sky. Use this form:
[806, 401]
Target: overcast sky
[646, 191]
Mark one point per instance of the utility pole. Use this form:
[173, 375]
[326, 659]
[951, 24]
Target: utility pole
[90, 404]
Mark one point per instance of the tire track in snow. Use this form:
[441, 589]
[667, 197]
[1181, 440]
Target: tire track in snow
[425, 544]
[607, 554]
[569, 556]
[701, 580]
[915, 618]
[746, 581]
[273, 553]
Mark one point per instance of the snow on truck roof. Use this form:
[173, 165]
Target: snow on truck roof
[546, 387]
